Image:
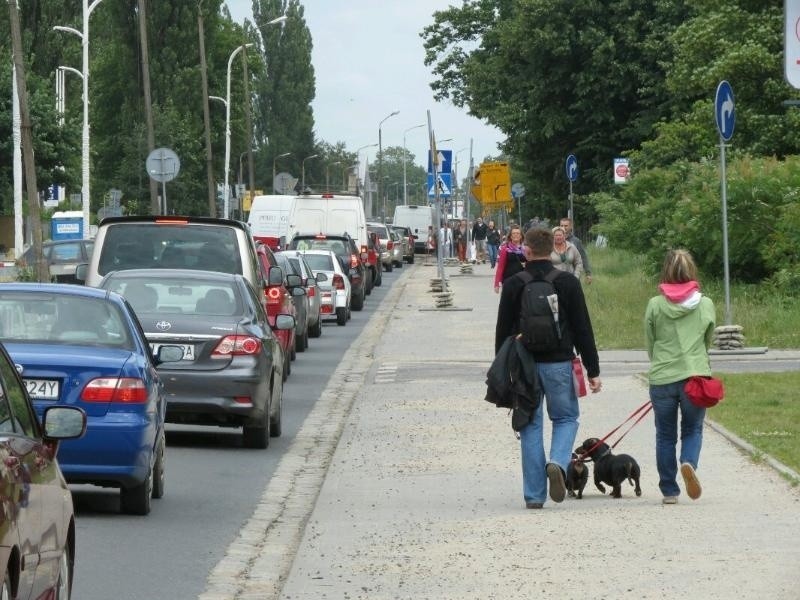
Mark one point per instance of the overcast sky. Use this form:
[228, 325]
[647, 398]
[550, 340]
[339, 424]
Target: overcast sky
[368, 62]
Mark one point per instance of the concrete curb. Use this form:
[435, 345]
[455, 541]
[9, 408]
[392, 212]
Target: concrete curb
[258, 561]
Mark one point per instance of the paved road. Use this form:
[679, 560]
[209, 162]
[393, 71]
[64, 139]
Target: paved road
[213, 486]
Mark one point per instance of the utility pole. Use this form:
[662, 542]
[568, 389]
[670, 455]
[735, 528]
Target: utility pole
[212, 196]
[42, 271]
[248, 119]
[155, 205]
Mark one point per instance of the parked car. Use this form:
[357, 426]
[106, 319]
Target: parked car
[278, 301]
[172, 242]
[335, 297]
[386, 243]
[298, 294]
[231, 371]
[398, 248]
[313, 291]
[79, 346]
[408, 240]
[62, 257]
[351, 259]
[37, 538]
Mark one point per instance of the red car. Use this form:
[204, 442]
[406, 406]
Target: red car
[278, 300]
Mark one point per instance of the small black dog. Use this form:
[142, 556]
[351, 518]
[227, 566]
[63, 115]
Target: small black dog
[577, 476]
[609, 468]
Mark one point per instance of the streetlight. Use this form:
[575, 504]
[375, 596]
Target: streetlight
[358, 159]
[405, 185]
[456, 183]
[84, 37]
[303, 179]
[227, 192]
[380, 156]
[345, 185]
[284, 155]
[328, 174]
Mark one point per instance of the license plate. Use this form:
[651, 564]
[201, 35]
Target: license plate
[188, 349]
[42, 389]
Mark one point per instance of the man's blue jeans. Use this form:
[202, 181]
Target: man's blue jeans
[491, 250]
[556, 382]
[668, 400]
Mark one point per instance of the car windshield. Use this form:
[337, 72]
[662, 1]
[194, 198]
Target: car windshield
[337, 246]
[62, 319]
[178, 295]
[319, 262]
[169, 246]
[381, 231]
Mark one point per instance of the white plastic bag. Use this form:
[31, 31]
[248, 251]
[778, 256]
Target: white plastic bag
[471, 252]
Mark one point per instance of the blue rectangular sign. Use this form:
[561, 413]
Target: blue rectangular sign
[445, 162]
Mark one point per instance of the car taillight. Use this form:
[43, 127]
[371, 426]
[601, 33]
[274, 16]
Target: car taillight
[389, 245]
[236, 345]
[338, 282]
[353, 261]
[273, 295]
[115, 389]
[312, 291]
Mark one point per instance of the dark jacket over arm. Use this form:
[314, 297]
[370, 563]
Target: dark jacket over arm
[572, 305]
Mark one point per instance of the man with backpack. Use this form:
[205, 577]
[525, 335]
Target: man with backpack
[546, 308]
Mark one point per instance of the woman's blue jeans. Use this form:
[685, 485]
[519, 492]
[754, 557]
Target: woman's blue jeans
[555, 380]
[491, 250]
[669, 400]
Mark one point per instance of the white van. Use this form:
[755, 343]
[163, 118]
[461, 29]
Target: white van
[328, 213]
[417, 219]
[269, 219]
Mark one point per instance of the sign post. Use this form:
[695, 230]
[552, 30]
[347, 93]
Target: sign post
[571, 166]
[725, 117]
[791, 42]
[163, 165]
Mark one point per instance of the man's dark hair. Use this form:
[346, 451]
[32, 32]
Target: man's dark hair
[540, 241]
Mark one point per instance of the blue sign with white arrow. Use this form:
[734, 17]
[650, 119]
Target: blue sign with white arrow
[445, 162]
[725, 110]
[572, 168]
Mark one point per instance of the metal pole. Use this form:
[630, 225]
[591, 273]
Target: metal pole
[728, 319]
[570, 203]
[227, 191]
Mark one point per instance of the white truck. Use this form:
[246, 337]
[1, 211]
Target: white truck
[269, 219]
[418, 219]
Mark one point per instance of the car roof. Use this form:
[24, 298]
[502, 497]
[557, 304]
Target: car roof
[55, 288]
[176, 219]
[173, 274]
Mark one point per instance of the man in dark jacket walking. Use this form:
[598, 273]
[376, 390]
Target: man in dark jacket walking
[479, 231]
[555, 371]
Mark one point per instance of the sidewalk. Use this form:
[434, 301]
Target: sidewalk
[405, 483]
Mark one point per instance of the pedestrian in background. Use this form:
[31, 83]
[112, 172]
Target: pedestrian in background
[554, 368]
[460, 240]
[446, 240]
[566, 224]
[511, 259]
[479, 233]
[492, 243]
[679, 327]
[564, 255]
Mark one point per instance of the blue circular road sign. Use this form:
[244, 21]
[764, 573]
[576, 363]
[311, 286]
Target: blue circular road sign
[572, 168]
[724, 110]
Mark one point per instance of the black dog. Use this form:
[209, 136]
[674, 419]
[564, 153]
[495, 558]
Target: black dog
[577, 476]
[609, 468]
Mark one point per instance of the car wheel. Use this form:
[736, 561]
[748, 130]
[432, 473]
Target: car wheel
[64, 583]
[276, 411]
[378, 276]
[389, 266]
[293, 354]
[369, 282]
[341, 316]
[316, 329]
[5, 591]
[358, 301]
[410, 259]
[159, 470]
[399, 264]
[302, 341]
[287, 370]
[136, 500]
[257, 436]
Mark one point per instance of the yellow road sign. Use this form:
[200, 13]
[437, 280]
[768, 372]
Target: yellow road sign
[492, 185]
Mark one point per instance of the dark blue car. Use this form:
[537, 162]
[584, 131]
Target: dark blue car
[84, 347]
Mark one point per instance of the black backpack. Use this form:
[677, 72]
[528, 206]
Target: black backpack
[541, 330]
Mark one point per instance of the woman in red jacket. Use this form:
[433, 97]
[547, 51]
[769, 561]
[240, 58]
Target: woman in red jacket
[511, 259]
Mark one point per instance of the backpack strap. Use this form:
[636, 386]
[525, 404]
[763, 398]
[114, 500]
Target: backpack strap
[525, 277]
[552, 275]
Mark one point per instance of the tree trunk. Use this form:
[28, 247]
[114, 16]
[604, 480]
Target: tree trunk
[155, 205]
[42, 271]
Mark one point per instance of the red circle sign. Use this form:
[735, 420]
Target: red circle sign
[622, 170]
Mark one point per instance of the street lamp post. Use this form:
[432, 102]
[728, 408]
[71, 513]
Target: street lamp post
[227, 192]
[345, 185]
[380, 158]
[84, 37]
[274, 160]
[328, 174]
[303, 178]
[405, 184]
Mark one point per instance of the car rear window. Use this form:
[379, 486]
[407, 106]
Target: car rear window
[337, 246]
[170, 246]
[381, 231]
[178, 295]
[319, 262]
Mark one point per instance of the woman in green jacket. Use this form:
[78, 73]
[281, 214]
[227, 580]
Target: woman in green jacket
[679, 327]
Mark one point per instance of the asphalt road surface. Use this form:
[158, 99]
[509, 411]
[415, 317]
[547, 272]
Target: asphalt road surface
[212, 488]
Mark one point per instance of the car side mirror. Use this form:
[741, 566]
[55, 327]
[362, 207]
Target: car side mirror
[80, 271]
[320, 277]
[293, 281]
[275, 276]
[168, 353]
[298, 291]
[63, 422]
[284, 322]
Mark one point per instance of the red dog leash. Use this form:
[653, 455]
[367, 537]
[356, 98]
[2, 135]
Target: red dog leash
[641, 412]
